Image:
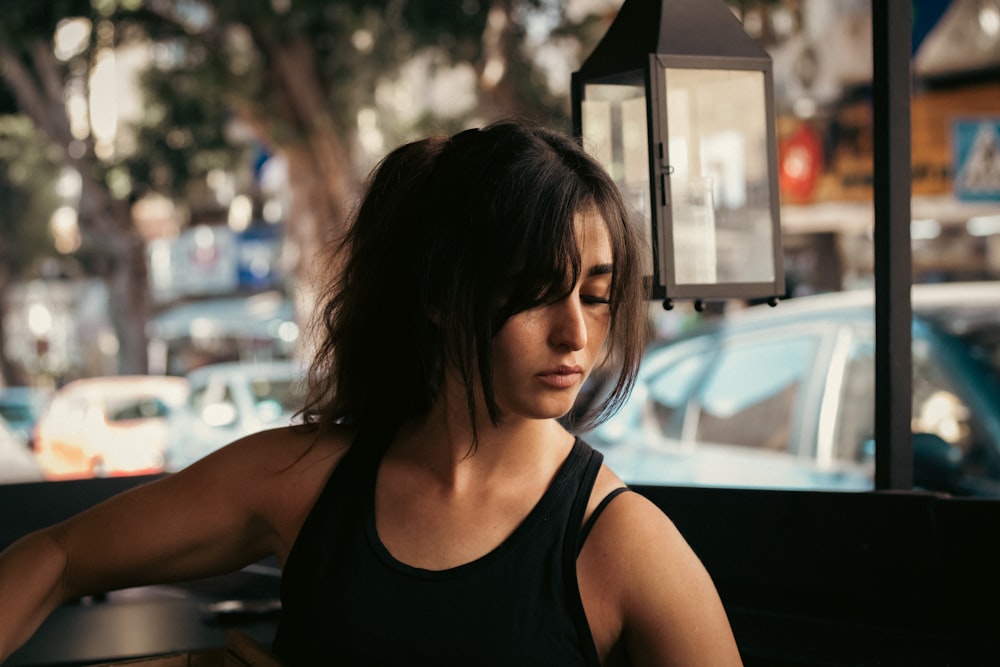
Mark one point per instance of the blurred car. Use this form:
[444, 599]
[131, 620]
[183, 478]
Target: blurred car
[20, 408]
[230, 400]
[108, 426]
[17, 462]
[784, 397]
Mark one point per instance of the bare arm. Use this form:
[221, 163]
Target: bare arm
[665, 607]
[30, 581]
[236, 506]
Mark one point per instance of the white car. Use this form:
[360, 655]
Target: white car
[231, 400]
[108, 426]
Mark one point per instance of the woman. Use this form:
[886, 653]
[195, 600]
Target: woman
[431, 509]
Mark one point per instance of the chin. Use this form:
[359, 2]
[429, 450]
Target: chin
[540, 407]
[551, 412]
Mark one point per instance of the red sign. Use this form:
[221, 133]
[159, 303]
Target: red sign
[800, 161]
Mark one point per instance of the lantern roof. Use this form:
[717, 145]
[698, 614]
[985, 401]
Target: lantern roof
[701, 28]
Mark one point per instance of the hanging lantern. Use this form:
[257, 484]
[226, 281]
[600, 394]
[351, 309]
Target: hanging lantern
[677, 102]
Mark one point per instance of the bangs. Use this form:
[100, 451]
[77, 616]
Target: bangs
[543, 268]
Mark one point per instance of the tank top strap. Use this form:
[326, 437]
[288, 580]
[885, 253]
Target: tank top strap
[574, 541]
[595, 515]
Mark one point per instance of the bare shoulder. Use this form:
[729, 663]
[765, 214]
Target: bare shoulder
[667, 609]
[632, 522]
[276, 474]
[277, 451]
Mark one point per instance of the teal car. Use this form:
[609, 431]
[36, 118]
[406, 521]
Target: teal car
[784, 397]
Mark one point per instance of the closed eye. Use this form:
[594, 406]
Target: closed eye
[596, 285]
[594, 300]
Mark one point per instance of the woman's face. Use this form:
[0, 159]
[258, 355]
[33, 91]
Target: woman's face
[542, 356]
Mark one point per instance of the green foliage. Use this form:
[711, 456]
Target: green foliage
[221, 65]
[181, 135]
[214, 66]
[27, 196]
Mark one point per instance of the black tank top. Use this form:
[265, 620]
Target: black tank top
[347, 601]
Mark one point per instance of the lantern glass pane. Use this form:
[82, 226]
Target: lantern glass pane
[613, 123]
[720, 194]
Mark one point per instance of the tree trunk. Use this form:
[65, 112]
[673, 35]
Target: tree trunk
[104, 222]
[503, 71]
[129, 303]
[320, 165]
[9, 374]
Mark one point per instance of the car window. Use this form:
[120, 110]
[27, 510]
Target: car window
[142, 408]
[282, 392]
[13, 412]
[670, 390]
[977, 331]
[936, 408]
[654, 409]
[735, 411]
[209, 394]
[750, 394]
[940, 408]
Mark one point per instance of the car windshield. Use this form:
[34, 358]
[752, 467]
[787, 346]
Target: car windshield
[979, 332]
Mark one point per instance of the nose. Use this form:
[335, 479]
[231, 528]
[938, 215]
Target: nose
[568, 324]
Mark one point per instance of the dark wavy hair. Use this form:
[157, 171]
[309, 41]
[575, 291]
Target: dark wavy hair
[452, 237]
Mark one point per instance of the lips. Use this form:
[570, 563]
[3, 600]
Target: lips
[562, 376]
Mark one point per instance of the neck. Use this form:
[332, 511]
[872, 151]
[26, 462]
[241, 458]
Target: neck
[442, 442]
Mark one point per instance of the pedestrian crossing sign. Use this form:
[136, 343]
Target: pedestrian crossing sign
[976, 152]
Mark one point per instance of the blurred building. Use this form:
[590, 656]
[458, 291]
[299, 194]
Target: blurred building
[58, 329]
[823, 75]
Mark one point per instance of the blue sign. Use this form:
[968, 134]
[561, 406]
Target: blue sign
[976, 154]
[258, 257]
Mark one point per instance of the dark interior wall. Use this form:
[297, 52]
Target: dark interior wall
[817, 578]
